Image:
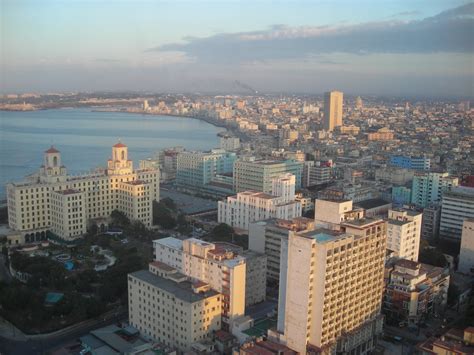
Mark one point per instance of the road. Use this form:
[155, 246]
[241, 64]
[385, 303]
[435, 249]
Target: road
[42, 346]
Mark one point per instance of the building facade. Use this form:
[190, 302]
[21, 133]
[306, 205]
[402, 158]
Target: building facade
[250, 206]
[212, 263]
[414, 290]
[333, 104]
[53, 203]
[265, 237]
[428, 187]
[457, 205]
[466, 256]
[195, 171]
[167, 308]
[409, 162]
[403, 233]
[331, 287]
[257, 175]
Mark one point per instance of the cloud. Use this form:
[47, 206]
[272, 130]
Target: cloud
[406, 14]
[450, 31]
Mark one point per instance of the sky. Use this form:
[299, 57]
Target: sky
[377, 47]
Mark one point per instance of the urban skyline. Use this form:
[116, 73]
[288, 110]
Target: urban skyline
[422, 48]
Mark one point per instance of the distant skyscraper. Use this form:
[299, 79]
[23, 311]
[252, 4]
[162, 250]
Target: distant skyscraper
[146, 106]
[332, 110]
[359, 104]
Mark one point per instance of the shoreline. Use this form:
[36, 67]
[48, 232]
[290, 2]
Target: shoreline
[215, 123]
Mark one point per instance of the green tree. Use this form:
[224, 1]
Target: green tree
[432, 257]
[119, 219]
[162, 216]
[223, 231]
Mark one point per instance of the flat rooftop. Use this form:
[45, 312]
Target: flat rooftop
[181, 290]
[170, 242]
[372, 203]
[323, 235]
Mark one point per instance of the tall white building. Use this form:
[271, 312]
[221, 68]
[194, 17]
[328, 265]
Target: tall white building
[55, 204]
[331, 286]
[212, 263]
[250, 206]
[403, 233]
[457, 205]
[466, 256]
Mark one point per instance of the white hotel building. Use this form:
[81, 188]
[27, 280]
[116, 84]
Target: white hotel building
[250, 206]
[53, 203]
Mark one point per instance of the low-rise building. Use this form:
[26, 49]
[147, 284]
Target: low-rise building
[414, 290]
[166, 307]
[454, 341]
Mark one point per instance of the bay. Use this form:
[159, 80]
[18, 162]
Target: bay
[85, 138]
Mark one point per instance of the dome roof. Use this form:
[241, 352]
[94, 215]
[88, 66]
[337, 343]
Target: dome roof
[52, 150]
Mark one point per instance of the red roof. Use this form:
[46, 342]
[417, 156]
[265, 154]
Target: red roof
[119, 145]
[52, 150]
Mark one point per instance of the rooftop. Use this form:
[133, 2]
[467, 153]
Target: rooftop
[322, 235]
[181, 290]
[372, 203]
[170, 242]
[52, 150]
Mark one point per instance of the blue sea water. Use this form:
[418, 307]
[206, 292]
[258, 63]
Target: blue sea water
[85, 138]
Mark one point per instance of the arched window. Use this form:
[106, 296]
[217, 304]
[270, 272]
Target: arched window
[55, 161]
[123, 155]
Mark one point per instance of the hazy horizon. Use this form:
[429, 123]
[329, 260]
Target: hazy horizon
[397, 48]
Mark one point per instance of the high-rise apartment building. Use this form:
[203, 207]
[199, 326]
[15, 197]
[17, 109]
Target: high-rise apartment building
[428, 187]
[250, 206]
[403, 233]
[466, 255]
[52, 203]
[196, 170]
[457, 205]
[168, 308]
[331, 286]
[265, 237]
[430, 221]
[257, 175]
[333, 102]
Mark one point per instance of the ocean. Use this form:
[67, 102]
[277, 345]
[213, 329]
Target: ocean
[85, 138]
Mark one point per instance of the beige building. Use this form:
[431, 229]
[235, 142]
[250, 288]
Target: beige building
[333, 102]
[330, 214]
[331, 287]
[212, 263]
[34, 204]
[167, 308]
[403, 233]
[255, 277]
[466, 256]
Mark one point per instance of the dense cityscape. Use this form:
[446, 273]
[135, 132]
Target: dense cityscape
[367, 201]
[237, 178]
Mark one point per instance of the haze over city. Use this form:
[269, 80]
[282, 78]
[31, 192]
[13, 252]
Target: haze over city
[417, 48]
[236, 177]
